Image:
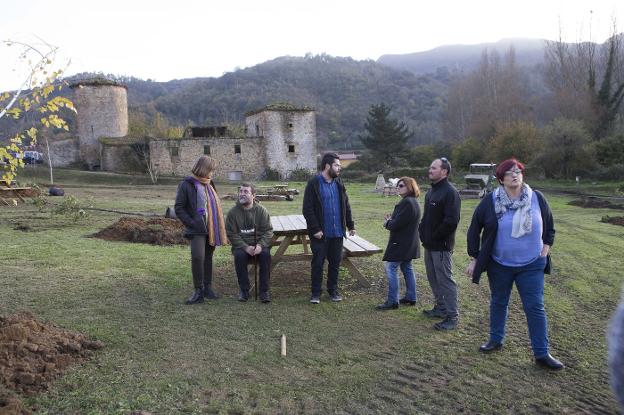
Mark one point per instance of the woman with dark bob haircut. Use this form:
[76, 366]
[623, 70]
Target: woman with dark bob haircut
[403, 244]
[510, 238]
[199, 208]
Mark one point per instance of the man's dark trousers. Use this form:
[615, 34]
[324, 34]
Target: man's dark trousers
[242, 259]
[330, 249]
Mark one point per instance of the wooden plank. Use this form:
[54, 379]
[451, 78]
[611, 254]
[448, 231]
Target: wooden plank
[352, 248]
[277, 224]
[288, 224]
[298, 221]
[368, 246]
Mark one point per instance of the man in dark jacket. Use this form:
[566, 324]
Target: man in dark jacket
[249, 230]
[328, 215]
[437, 233]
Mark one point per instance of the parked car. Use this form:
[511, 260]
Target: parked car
[33, 157]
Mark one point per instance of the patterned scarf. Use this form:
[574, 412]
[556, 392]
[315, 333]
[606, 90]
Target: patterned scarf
[522, 221]
[209, 206]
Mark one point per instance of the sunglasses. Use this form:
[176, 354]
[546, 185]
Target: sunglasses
[400, 185]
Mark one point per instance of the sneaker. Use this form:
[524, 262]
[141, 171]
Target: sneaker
[315, 299]
[449, 323]
[434, 313]
[243, 296]
[265, 297]
[335, 297]
[407, 302]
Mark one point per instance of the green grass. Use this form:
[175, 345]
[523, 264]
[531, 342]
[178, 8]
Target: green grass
[224, 357]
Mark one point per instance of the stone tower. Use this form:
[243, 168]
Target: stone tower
[102, 111]
[289, 134]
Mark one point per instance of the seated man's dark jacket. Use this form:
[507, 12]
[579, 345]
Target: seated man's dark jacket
[248, 227]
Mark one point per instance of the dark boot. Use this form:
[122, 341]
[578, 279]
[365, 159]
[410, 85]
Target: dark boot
[210, 294]
[196, 298]
[549, 362]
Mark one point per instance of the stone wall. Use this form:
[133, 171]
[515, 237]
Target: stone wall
[64, 153]
[122, 159]
[290, 139]
[177, 156]
[102, 111]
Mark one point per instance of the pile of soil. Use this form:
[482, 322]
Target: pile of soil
[595, 203]
[614, 220]
[156, 231]
[12, 405]
[33, 354]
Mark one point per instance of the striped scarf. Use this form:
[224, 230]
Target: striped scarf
[209, 206]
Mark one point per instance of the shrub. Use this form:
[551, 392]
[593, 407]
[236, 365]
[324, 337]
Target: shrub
[300, 175]
[271, 175]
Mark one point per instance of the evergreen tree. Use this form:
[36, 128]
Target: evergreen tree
[386, 138]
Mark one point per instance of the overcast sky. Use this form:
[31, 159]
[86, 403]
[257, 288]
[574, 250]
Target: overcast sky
[164, 40]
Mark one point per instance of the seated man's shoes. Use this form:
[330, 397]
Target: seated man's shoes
[407, 302]
[243, 296]
[265, 297]
[490, 346]
[210, 294]
[434, 313]
[449, 323]
[549, 362]
[387, 306]
[196, 298]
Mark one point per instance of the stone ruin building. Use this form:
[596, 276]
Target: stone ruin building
[278, 137]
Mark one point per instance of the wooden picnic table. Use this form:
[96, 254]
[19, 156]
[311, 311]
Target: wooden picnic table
[292, 230]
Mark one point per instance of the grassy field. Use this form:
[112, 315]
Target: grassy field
[223, 356]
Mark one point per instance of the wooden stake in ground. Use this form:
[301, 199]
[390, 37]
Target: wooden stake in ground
[283, 341]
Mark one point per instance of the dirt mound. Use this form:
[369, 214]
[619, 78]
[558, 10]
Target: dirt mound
[614, 220]
[11, 405]
[32, 354]
[595, 203]
[157, 231]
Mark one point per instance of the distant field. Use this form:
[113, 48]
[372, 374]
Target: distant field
[223, 356]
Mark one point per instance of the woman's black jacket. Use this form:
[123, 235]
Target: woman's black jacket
[484, 219]
[404, 243]
[186, 208]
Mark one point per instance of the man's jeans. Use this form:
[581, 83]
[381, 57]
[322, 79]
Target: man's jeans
[529, 281]
[242, 258]
[439, 266]
[330, 249]
[393, 281]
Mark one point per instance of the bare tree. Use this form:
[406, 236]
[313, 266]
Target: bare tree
[587, 80]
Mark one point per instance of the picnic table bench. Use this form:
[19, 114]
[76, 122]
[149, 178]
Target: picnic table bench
[292, 230]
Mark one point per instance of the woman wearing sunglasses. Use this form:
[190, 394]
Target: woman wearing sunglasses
[403, 245]
[510, 237]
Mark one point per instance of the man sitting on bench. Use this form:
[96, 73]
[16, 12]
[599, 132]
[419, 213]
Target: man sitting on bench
[249, 230]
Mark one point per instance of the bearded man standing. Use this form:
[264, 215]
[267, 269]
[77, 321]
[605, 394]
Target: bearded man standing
[328, 216]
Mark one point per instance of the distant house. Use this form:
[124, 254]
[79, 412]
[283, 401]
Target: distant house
[345, 158]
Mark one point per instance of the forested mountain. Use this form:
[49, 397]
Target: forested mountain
[340, 89]
[448, 58]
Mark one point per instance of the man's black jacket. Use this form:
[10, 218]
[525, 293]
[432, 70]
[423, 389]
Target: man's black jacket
[313, 207]
[439, 222]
